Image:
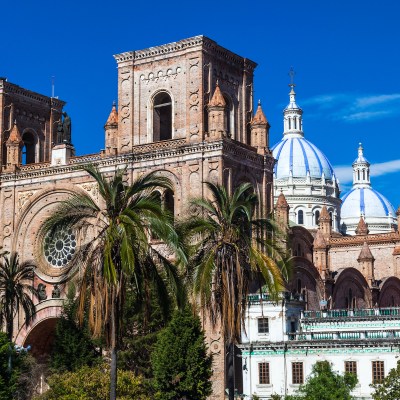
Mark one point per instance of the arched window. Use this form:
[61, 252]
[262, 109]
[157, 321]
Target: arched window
[169, 202]
[316, 215]
[300, 217]
[299, 285]
[363, 174]
[229, 116]
[28, 150]
[331, 215]
[162, 117]
[358, 174]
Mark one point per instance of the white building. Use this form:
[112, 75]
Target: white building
[282, 342]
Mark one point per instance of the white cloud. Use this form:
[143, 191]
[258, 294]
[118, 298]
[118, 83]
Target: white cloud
[344, 173]
[384, 168]
[352, 107]
[365, 115]
[374, 100]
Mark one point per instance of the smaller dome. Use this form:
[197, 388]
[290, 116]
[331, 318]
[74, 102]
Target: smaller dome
[378, 213]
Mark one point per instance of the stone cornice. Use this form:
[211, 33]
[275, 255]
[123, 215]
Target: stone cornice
[201, 42]
[377, 238]
[11, 88]
[146, 152]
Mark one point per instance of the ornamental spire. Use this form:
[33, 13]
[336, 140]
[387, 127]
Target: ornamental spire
[292, 114]
[361, 172]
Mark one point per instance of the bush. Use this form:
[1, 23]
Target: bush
[90, 383]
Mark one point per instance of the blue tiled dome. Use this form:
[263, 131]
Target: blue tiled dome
[296, 154]
[365, 201]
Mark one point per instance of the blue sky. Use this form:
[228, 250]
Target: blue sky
[345, 53]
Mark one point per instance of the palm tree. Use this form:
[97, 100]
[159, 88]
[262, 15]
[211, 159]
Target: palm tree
[16, 290]
[230, 251]
[118, 252]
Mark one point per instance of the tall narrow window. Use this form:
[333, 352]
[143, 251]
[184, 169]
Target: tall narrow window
[297, 373]
[229, 116]
[290, 123]
[316, 215]
[300, 217]
[358, 174]
[162, 117]
[169, 202]
[378, 371]
[299, 285]
[28, 150]
[350, 367]
[263, 373]
[363, 174]
[331, 215]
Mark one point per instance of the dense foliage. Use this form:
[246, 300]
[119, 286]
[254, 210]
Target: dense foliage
[90, 383]
[73, 346]
[181, 364]
[326, 384]
[389, 389]
[11, 367]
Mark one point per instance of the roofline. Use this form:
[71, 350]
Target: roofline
[181, 45]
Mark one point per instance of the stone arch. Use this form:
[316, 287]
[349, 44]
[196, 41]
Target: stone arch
[30, 150]
[389, 295]
[160, 116]
[37, 206]
[39, 334]
[176, 190]
[301, 242]
[305, 281]
[351, 290]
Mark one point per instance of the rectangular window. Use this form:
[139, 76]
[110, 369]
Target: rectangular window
[350, 367]
[263, 326]
[378, 371]
[297, 373]
[263, 373]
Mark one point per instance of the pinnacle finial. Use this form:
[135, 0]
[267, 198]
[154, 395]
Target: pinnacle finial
[259, 102]
[114, 103]
[292, 73]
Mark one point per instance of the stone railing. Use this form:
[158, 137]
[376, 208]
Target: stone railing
[390, 312]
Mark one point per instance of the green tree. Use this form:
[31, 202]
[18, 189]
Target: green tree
[181, 365]
[92, 383]
[118, 252]
[389, 389]
[231, 250]
[10, 368]
[15, 290]
[326, 384]
[73, 346]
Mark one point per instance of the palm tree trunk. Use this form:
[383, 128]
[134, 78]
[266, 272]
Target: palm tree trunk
[113, 367]
[231, 371]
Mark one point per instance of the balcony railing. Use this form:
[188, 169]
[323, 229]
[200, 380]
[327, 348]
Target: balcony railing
[391, 312]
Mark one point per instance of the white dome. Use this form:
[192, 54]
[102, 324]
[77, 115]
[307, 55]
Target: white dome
[298, 157]
[367, 202]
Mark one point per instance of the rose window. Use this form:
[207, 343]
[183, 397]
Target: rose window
[59, 248]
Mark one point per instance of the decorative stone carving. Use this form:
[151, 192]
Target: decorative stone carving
[23, 197]
[92, 189]
[56, 293]
[41, 292]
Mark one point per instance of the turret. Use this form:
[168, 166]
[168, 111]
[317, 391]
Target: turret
[361, 177]
[321, 254]
[111, 131]
[362, 228]
[325, 222]
[14, 145]
[217, 124]
[282, 212]
[260, 130]
[366, 262]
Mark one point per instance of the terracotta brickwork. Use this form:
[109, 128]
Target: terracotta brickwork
[160, 124]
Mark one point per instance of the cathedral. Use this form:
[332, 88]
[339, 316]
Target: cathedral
[185, 110]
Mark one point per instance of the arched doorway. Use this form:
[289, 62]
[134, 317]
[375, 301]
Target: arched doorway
[41, 338]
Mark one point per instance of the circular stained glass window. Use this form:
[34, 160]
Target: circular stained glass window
[59, 248]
